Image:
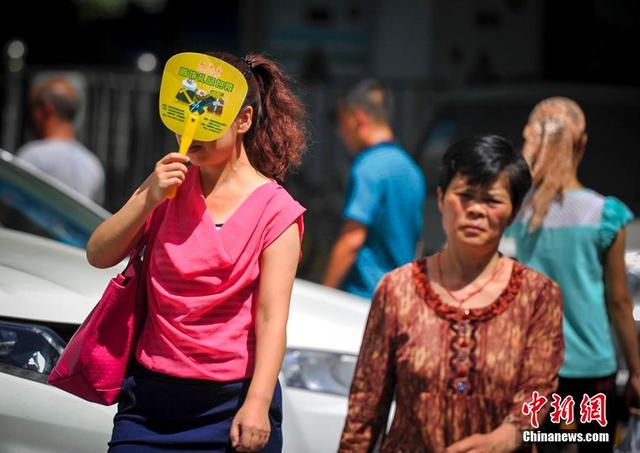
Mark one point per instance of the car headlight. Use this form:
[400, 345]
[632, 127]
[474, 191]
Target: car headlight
[319, 371]
[28, 351]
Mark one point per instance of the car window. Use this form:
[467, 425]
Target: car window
[31, 205]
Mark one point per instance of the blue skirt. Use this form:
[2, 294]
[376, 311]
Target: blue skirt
[160, 413]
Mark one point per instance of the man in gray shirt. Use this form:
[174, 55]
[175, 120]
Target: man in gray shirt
[53, 105]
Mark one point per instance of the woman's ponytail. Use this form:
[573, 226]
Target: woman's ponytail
[277, 137]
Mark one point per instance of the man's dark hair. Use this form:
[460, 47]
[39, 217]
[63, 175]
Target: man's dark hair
[60, 94]
[372, 97]
[482, 159]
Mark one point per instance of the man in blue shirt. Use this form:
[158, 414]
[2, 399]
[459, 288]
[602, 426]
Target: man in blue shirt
[384, 205]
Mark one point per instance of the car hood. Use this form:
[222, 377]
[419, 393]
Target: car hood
[44, 280]
[325, 318]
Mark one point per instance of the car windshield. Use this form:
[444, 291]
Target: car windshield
[30, 204]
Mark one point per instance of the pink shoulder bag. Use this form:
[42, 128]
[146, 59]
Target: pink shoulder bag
[95, 361]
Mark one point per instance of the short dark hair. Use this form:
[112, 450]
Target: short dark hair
[482, 159]
[66, 108]
[60, 94]
[372, 97]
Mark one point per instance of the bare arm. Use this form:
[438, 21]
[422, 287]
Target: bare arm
[114, 237]
[278, 264]
[344, 252]
[621, 312]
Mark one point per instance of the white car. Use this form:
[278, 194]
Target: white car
[47, 288]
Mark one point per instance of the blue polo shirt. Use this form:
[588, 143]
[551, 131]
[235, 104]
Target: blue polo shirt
[386, 194]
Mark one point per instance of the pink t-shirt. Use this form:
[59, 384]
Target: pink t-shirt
[203, 282]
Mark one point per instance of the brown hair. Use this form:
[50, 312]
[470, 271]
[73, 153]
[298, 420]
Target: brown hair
[554, 142]
[277, 137]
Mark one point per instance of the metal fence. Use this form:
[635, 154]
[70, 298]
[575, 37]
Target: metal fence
[120, 123]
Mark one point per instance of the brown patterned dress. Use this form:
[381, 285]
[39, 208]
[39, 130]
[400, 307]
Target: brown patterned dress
[454, 372]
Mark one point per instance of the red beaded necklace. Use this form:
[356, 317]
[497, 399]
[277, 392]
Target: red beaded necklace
[462, 300]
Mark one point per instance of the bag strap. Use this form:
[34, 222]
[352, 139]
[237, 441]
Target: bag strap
[145, 243]
[150, 233]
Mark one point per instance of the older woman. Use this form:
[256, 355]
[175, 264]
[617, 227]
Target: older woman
[463, 337]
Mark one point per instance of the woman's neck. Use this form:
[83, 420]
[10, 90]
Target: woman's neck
[573, 183]
[462, 268]
[237, 170]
